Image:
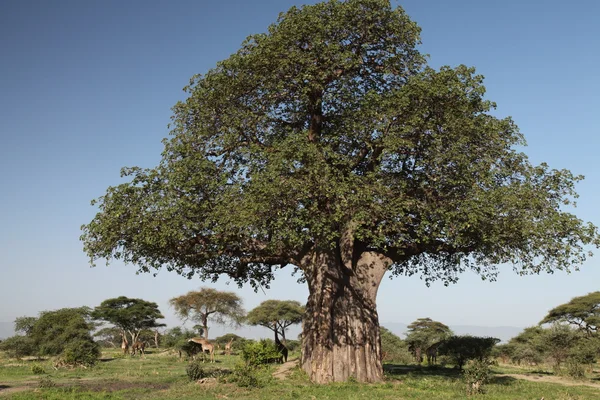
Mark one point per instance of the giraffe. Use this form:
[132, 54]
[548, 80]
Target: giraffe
[206, 346]
[431, 353]
[139, 346]
[281, 348]
[228, 347]
[124, 343]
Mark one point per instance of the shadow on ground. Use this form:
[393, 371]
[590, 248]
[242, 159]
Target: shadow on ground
[401, 370]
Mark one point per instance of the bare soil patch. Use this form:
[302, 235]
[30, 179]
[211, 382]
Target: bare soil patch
[284, 369]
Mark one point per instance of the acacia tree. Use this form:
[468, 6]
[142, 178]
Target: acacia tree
[582, 312]
[327, 144]
[277, 315]
[424, 332]
[209, 304]
[132, 316]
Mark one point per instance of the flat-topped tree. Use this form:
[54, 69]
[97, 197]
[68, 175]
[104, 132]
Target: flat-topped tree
[130, 315]
[326, 144]
[209, 304]
[276, 315]
[582, 312]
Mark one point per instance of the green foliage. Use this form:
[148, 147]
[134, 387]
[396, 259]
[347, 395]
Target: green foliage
[251, 376]
[575, 369]
[476, 374]
[195, 371]
[260, 353]
[130, 315]
[332, 116]
[238, 341]
[393, 348]
[583, 312]
[557, 342]
[423, 333]
[109, 336]
[25, 324]
[209, 304]
[37, 369]
[293, 345]
[276, 315]
[81, 352]
[464, 348]
[64, 332]
[18, 346]
[176, 336]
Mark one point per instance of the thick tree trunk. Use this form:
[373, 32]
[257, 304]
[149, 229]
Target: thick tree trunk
[340, 337]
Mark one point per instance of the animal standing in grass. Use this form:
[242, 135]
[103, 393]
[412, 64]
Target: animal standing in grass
[206, 346]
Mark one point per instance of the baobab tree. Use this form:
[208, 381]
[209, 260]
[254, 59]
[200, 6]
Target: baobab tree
[326, 144]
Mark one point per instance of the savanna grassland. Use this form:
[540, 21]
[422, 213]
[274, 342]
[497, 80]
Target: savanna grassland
[162, 375]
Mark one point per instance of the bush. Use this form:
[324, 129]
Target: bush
[476, 375]
[81, 352]
[393, 348]
[37, 369]
[18, 346]
[575, 369]
[195, 371]
[260, 353]
[46, 382]
[254, 376]
[464, 348]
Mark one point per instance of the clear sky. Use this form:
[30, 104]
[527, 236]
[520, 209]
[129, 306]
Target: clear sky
[86, 88]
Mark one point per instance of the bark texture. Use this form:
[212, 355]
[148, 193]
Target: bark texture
[340, 336]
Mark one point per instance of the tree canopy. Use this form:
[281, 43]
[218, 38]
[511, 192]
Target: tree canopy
[130, 315]
[209, 304]
[64, 332]
[328, 144]
[277, 315]
[582, 311]
[423, 333]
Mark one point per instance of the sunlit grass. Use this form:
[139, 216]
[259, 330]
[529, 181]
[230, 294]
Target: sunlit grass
[161, 375]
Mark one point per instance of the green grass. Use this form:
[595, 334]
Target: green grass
[162, 376]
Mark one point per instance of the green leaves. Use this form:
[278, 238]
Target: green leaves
[582, 312]
[132, 315]
[276, 315]
[332, 117]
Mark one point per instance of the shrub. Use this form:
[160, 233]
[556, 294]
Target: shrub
[37, 369]
[575, 369]
[18, 346]
[254, 376]
[195, 371]
[476, 375]
[260, 353]
[464, 348]
[46, 382]
[393, 348]
[81, 352]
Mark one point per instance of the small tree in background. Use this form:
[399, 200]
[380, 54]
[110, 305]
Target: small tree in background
[209, 304]
[238, 341]
[423, 333]
[557, 343]
[276, 315]
[64, 332]
[463, 348]
[582, 312]
[130, 315]
[393, 348]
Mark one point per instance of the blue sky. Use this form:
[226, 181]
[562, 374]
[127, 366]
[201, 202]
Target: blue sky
[86, 88]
